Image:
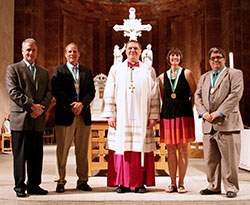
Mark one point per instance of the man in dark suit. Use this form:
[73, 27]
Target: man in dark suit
[217, 101]
[28, 86]
[73, 88]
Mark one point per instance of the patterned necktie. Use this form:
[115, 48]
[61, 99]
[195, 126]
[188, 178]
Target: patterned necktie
[74, 69]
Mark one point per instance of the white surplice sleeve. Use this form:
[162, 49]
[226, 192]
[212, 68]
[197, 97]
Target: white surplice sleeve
[109, 108]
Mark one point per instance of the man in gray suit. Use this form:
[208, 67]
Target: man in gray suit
[28, 86]
[217, 101]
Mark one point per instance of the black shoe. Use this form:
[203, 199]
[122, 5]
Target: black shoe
[231, 194]
[60, 188]
[209, 192]
[84, 187]
[21, 194]
[37, 191]
[141, 190]
[122, 189]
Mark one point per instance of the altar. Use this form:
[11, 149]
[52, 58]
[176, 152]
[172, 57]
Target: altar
[245, 150]
[98, 154]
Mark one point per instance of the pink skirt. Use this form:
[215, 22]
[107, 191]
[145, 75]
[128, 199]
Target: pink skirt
[177, 131]
[126, 169]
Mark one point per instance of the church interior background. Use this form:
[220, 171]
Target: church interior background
[194, 26]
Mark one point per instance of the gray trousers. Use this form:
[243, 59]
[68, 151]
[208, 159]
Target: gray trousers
[222, 157]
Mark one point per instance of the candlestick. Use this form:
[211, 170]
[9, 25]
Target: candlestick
[231, 60]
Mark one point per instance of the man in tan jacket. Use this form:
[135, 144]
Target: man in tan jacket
[217, 101]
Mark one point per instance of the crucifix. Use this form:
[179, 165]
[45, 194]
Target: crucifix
[132, 88]
[132, 27]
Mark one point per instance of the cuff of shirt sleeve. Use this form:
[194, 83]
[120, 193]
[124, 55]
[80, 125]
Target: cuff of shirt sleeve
[200, 116]
[220, 113]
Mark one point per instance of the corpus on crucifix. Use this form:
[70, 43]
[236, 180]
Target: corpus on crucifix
[132, 27]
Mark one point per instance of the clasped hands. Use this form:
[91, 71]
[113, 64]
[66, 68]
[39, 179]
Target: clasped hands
[112, 122]
[37, 110]
[76, 107]
[210, 117]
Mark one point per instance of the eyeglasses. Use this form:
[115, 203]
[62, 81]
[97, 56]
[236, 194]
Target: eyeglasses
[216, 57]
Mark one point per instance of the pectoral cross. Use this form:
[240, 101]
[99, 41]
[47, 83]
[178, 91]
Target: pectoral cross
[132, 27]
[132, 88]
[131, 79]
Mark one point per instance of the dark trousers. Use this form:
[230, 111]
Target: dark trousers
[27, 147]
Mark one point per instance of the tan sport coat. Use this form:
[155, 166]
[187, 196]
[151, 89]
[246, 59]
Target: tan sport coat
[23, 92]
[225, 99]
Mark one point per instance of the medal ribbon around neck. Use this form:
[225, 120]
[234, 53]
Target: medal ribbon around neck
[173, 86]
[74, 76]
[213, 80]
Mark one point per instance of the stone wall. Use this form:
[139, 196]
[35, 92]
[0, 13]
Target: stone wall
[194, 26]
[6, 51]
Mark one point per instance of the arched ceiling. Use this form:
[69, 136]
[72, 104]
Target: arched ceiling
[130, 0]
[144, 8]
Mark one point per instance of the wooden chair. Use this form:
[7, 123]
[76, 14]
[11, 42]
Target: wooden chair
[48, 136]
[6, 142]
[195, 150]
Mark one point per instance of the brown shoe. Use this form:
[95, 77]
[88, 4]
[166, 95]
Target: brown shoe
[209, 192]
[60, 188]
[231, 194]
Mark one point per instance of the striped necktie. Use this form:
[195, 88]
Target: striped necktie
[32, 70]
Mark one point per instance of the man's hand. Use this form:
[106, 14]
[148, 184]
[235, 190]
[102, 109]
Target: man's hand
[112, 122]
[214, 115]
[210, 117]
[37, 110]
[152, 123]
[206, 116]
[77, 107]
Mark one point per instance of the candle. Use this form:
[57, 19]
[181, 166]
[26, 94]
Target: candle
[231, 60]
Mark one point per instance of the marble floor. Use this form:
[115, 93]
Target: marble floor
[195, 181]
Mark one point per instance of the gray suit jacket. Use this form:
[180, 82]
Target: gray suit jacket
[23, 92]
[225, 99]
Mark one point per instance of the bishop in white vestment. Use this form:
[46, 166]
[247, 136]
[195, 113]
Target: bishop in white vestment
[131, 104]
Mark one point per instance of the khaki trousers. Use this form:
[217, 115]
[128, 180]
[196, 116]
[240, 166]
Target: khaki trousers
[78, 132]
[222, 157]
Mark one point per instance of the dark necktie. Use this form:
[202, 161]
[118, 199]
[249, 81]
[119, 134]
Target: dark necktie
[215, 74]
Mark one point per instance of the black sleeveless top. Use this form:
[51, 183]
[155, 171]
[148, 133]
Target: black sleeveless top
[181, 106]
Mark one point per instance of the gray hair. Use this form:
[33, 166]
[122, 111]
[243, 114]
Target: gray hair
[216, 50]
[29, 40]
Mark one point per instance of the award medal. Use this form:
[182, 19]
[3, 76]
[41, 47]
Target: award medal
[173, 86]
[76, 85]
[173, 95]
